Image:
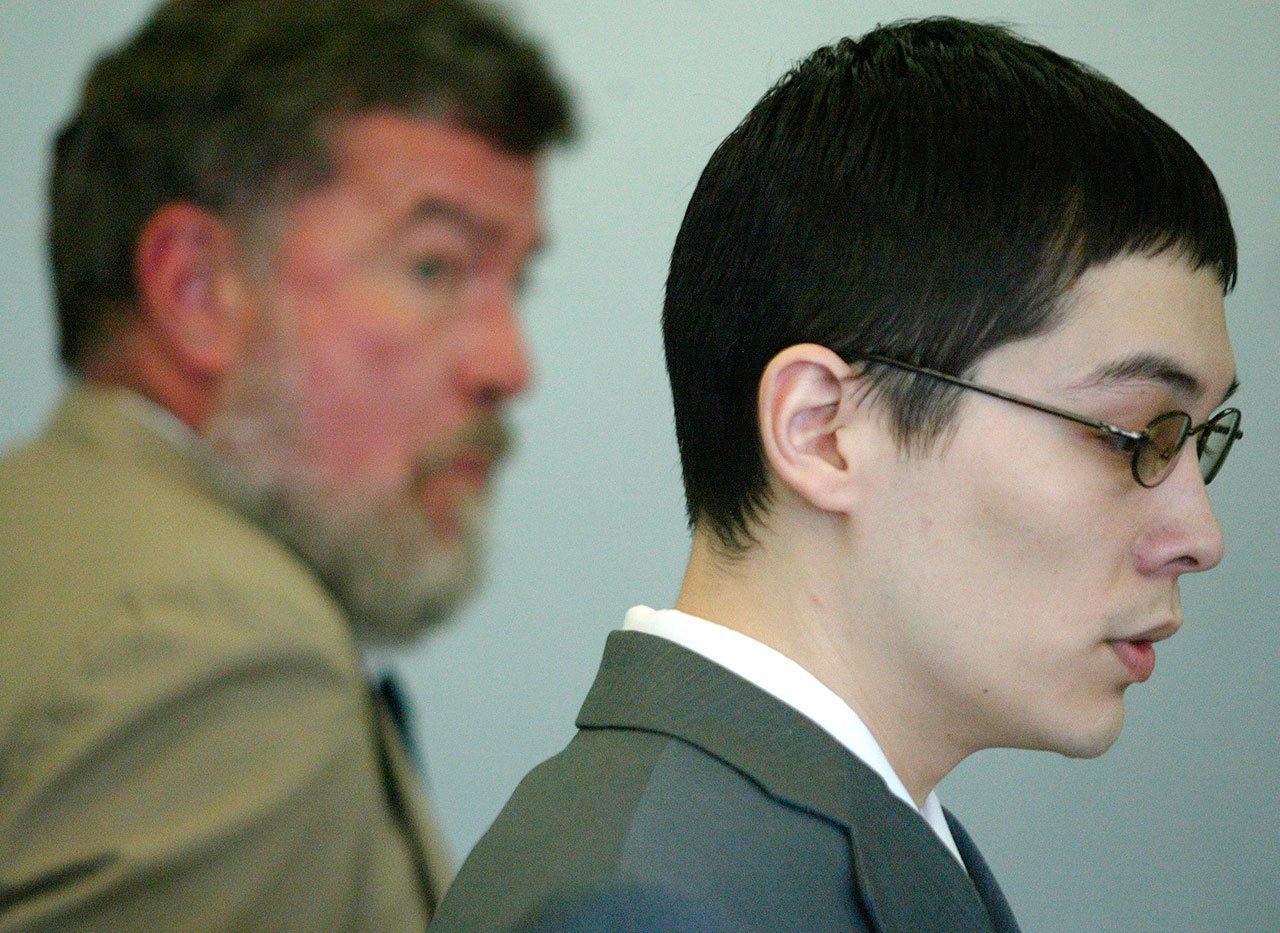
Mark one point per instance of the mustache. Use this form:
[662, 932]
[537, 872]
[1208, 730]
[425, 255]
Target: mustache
[491, 438]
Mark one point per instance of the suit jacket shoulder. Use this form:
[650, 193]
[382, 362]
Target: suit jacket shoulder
[686, 779]
[184, 725]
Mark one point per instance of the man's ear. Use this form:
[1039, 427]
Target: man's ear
[806, 402]
[191, 287]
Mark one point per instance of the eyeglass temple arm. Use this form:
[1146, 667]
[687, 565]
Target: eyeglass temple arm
[1007, 396]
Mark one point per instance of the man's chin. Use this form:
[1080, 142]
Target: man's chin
[394, 607]
[401, 621]
[392, 573]
[1088, 742]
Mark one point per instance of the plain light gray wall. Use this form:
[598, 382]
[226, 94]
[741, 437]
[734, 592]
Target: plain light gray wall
[1177, 828]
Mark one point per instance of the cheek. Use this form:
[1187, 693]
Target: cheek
[1041, 506]
[1008, 557]
[998, 576]
[1039, 542]
[376, 383]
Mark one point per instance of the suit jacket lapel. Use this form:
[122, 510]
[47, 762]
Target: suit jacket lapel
[652, 684]
[988, 890]
[408, 805]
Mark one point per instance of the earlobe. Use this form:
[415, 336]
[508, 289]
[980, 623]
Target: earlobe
[187, 270]
[805, 402]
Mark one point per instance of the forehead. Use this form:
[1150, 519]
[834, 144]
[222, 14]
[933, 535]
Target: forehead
[399, 161]
[1123, 319]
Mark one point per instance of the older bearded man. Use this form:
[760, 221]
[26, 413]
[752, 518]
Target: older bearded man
[287, 240]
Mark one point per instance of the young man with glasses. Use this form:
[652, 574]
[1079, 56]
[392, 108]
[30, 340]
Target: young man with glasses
[945, 332]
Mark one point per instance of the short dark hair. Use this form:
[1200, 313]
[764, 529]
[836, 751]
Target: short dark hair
[226, 103]
[927, 192]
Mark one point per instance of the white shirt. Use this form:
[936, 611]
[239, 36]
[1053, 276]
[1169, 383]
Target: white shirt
[785, 680]
[159, 419]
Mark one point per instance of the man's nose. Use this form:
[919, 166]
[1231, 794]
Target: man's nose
[1184, 535]
[498, 365]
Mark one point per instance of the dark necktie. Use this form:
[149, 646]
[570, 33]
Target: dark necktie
[397, 707]
[388, 699]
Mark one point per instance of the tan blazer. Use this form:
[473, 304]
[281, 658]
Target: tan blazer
[186, 737]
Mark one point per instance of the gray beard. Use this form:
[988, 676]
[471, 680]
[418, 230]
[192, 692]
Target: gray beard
[376, 554]
[373, 549]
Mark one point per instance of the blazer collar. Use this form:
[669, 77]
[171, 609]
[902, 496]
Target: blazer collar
[107, 420]
[651, 684]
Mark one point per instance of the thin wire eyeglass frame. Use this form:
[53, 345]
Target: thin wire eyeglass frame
[1226, 422]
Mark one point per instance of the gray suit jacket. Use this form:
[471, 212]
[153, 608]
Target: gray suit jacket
[688, 780]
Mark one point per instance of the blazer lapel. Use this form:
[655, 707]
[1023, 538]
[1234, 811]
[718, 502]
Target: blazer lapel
[988, 890]
[906, 879]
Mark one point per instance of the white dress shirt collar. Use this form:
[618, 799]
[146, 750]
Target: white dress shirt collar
[787, 681]
[159, 420]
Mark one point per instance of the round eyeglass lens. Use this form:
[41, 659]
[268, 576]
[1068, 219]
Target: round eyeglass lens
[1165, 436]
[1216, 438]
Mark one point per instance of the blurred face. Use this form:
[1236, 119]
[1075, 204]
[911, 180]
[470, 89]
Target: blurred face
[364, 421]
[1020, 574]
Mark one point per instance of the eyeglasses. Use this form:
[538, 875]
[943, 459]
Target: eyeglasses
[1153, 450]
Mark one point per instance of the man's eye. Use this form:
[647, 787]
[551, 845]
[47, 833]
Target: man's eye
[431, 268]
[1116, 442]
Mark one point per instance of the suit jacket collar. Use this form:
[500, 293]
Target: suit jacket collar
[100, 418]
[652, 684]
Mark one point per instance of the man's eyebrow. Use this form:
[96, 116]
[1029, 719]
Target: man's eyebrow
[1149, 367]
[472, 227]
[433, 209]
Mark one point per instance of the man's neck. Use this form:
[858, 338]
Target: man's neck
[135, 361]
[778, 595]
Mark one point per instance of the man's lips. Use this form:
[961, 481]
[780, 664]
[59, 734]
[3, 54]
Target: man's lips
[1138, 653]
[471, 457]
[473, 467]
[467, 470]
